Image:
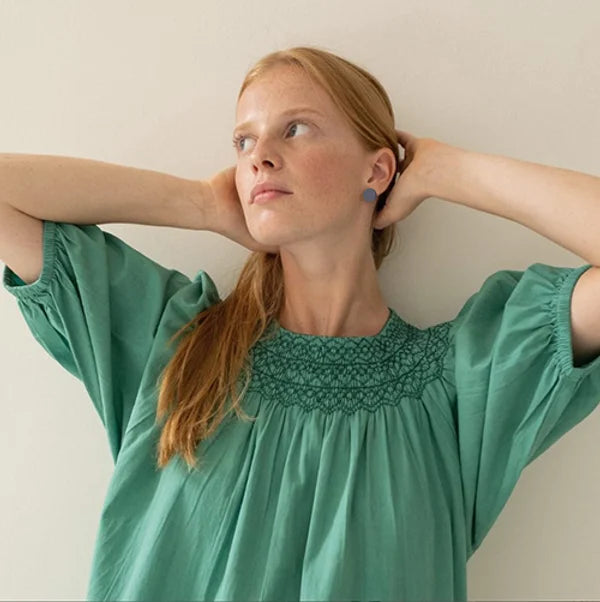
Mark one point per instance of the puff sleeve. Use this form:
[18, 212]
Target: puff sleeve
[96, 308]
[516, 389]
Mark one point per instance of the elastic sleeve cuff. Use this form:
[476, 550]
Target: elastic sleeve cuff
[561, 324]
[22, 291]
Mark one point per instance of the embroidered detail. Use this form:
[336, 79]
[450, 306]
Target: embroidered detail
[347, 374]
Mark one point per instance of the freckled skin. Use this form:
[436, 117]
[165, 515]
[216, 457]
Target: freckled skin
[323, 229]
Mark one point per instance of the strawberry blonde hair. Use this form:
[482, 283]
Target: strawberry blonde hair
[205, 369]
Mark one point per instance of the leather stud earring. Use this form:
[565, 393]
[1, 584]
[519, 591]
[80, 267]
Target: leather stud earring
[370, 194]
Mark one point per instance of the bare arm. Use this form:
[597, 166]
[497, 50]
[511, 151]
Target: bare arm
[85, 191]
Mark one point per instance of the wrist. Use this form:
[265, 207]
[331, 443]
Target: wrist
[444, 173]
[200, 205]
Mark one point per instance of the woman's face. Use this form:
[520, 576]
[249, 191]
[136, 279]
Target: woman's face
[313, 153]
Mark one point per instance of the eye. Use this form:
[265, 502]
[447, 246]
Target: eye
[240, 137]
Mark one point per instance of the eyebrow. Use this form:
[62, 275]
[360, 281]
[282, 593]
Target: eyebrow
[282, 114]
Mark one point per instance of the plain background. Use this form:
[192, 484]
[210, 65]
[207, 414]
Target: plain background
[154, 85]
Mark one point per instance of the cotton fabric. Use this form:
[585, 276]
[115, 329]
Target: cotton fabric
[375, 466]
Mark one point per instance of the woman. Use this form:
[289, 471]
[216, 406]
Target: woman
[372, 457]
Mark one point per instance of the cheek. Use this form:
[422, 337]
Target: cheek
[323, 174]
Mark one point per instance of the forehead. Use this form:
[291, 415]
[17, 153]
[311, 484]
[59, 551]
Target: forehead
[281, 91]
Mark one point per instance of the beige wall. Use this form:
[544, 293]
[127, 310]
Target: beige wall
[154, 85]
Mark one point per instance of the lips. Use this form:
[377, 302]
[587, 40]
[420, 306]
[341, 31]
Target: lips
[265, 186]
[267, 196]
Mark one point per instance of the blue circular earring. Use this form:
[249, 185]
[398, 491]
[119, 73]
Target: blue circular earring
[370, 194]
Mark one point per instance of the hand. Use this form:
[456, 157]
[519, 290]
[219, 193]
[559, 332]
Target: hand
[229, 219]
[410, 189]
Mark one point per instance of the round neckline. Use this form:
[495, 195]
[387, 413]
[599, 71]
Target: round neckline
[299, 353]
[290, 334]
[288, 365]
[342, 374]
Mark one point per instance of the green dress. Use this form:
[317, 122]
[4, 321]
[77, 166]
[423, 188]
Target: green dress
[376, 465]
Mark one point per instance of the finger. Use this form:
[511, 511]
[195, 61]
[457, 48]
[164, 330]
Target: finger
[379, 222]
[403, 137]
